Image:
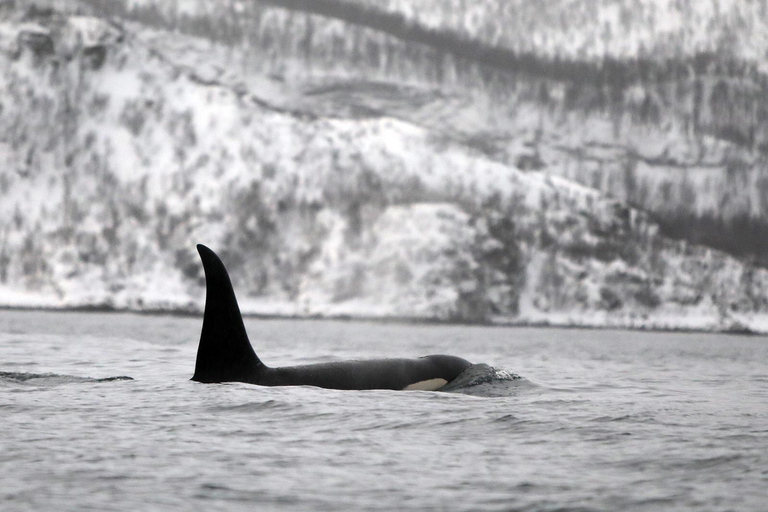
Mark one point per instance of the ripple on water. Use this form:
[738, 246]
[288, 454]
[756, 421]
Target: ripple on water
[53, 379]
[254, 407]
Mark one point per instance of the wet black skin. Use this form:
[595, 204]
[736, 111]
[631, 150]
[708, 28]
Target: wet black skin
[225, 354]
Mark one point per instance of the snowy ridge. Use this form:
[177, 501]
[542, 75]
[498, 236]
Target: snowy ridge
[118, 164]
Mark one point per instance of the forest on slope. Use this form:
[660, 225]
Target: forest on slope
[658, 103]
[342, 170]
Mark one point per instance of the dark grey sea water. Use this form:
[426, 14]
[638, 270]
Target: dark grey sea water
[601, 420]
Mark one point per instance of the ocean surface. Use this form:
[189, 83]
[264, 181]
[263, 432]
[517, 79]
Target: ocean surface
[600, 421]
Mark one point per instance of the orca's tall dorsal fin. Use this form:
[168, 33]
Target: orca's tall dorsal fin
[225, 354]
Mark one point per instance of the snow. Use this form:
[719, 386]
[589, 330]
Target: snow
[323, 215]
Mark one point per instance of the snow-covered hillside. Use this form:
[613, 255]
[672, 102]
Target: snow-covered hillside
[121, 150]
[598, 28]
[658, 103]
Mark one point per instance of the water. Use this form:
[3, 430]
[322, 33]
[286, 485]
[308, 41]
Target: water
[601, 420]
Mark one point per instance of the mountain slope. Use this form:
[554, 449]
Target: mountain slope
[658, 103]
[120, 156]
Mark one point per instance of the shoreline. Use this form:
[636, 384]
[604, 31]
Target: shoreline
[403, 320]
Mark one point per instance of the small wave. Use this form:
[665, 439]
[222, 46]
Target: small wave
[507, 418]
[53, 378]
[716, 461]
[251, 407]
[606, 419]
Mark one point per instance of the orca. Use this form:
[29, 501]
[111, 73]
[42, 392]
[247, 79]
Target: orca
[225, 354]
